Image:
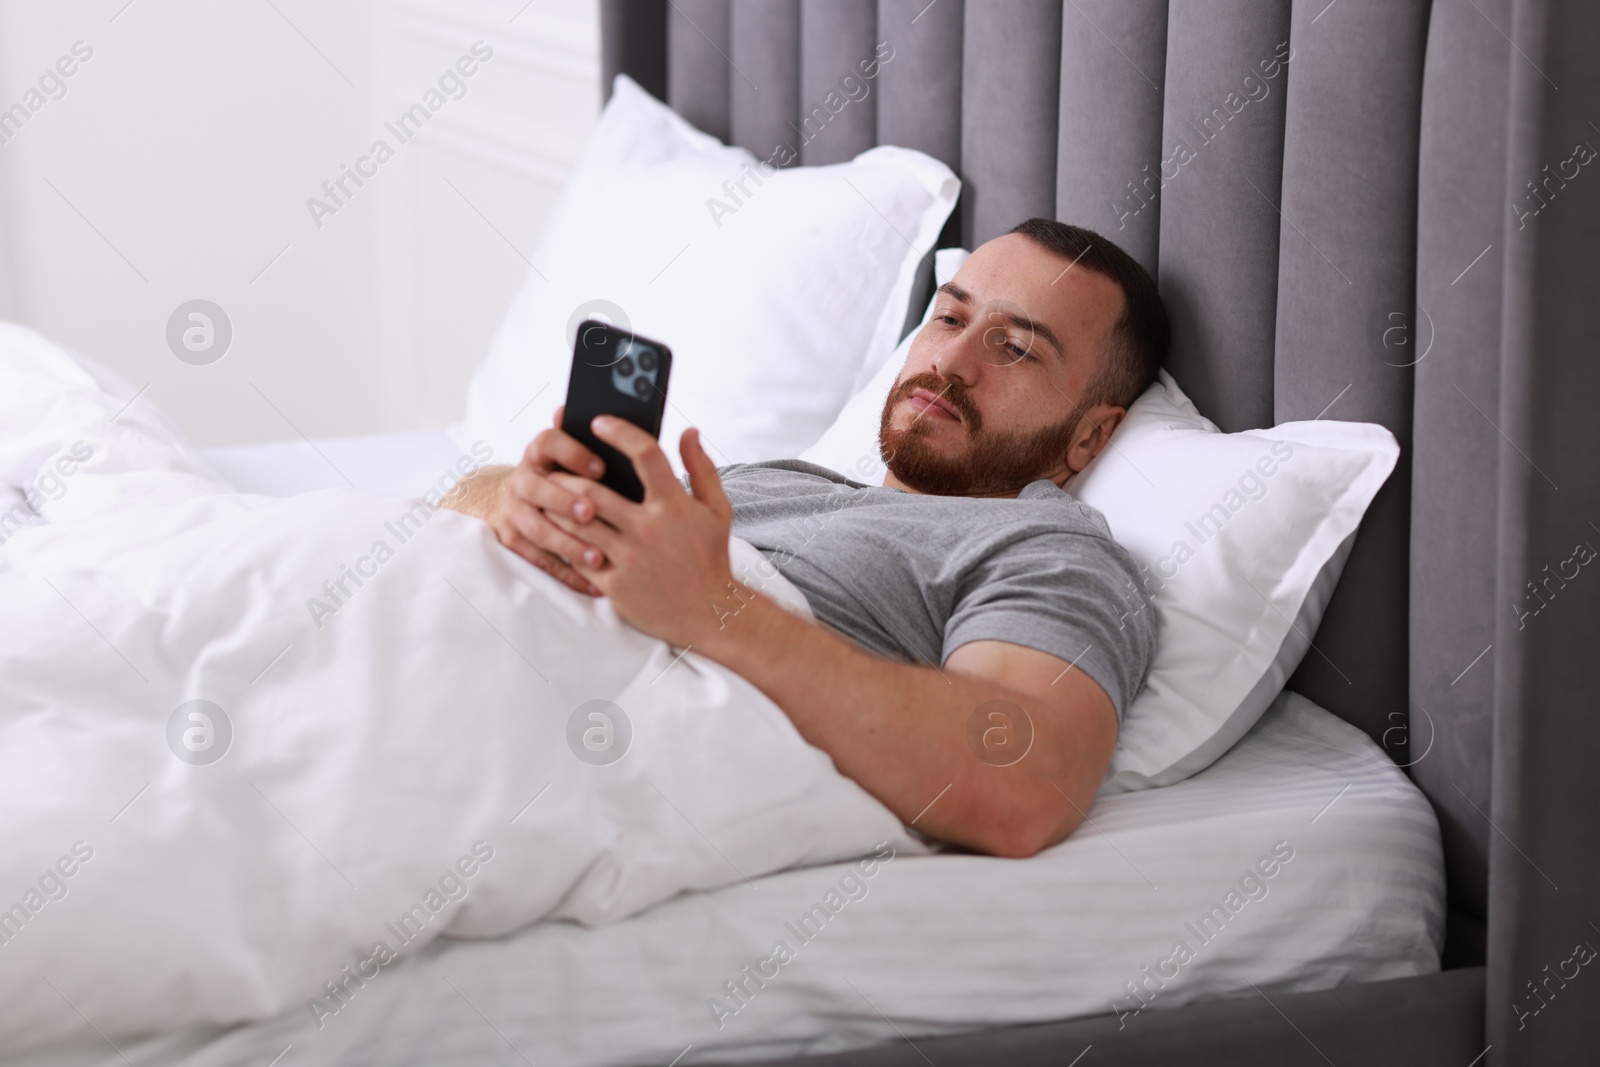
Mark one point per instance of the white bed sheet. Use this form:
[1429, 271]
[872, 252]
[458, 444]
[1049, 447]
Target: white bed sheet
[938, 944]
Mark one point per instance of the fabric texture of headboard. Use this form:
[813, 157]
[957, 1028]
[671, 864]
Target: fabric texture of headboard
[1368, 210]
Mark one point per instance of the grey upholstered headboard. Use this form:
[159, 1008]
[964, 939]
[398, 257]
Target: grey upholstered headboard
[1330, 231]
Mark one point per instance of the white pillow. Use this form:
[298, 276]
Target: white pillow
[772, 298]
[850, 445]
[1234, 620]
[1241, 538]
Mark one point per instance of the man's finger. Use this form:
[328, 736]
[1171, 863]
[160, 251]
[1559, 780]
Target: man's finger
[603, 501]
[567, 576]
[569, 543]
[589, 559]
[704, 481]
[557, 448]
[599, 538]
[535, 489]
[649, 462]
[546, 562]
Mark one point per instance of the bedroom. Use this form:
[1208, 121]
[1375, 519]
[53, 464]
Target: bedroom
[1373, 653]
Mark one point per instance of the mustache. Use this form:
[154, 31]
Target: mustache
[948, 389]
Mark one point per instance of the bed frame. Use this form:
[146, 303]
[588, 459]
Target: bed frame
[1392, 224]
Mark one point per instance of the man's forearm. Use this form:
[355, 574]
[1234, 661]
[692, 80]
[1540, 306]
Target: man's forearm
[897, 729]
[478, 494]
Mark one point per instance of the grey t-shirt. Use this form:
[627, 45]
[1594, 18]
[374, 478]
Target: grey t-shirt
[914, 577]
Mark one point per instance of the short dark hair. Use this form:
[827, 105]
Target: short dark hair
[1141, 335]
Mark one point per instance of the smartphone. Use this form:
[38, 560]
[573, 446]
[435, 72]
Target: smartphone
[615, 372]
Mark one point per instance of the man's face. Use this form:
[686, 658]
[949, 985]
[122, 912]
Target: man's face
[989, 397]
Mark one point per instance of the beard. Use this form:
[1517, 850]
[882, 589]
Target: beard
[993, 463]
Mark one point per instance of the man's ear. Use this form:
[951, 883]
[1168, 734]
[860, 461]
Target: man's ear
[1094, 431]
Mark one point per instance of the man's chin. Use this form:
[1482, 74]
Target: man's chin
[924, 466]
[928, 446]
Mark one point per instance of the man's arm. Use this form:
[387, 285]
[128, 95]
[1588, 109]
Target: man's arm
[901, 731]
[907, 733]
[478, 494]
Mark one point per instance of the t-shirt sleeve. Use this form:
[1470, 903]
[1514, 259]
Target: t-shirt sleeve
[1072, 595]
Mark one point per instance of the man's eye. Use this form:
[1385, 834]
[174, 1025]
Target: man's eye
[949, 320]
[1020, 352]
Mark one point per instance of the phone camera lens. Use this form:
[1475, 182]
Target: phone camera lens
[641, 388]
[625, 367]
[647, 360]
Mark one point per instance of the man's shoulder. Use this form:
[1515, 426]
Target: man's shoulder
[778, 470]
[1045, 502]
[784, 478]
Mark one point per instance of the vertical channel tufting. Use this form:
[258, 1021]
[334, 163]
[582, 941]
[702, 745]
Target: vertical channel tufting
[838, 74]
[1011, 71]
[1219, 224]
[633, 41]
[699, 70]
[1346, 265]
[919, 84]
[919, 100]
[1108, 151]
[1543, 878]
[766, 78]
[1455, 449]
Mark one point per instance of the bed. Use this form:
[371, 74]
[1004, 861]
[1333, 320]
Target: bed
[1301, 861]
[1356, 895]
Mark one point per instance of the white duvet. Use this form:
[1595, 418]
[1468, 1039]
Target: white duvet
[393, 698]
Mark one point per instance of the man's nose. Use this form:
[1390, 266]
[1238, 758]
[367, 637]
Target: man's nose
[963, 359]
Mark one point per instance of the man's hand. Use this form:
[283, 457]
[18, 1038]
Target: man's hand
[665, 561]
[529, 494]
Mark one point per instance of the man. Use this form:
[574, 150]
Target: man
[979, 634]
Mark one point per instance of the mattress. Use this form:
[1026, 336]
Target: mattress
[1301, 860]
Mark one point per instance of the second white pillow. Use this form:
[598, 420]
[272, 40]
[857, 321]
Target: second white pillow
[1241, 538]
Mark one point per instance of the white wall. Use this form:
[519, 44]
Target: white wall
[179, 163]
